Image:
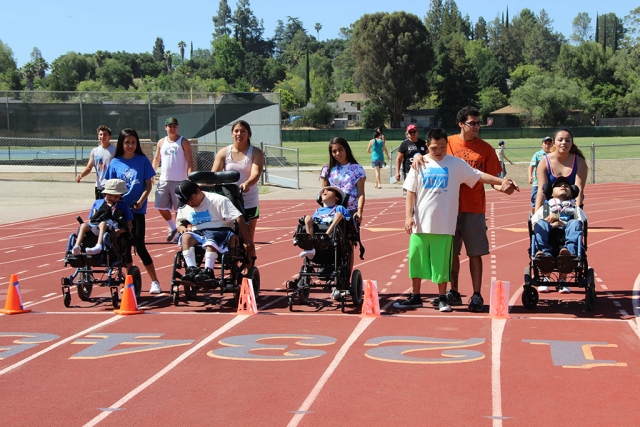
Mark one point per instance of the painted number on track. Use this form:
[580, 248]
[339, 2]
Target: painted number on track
[256, 348]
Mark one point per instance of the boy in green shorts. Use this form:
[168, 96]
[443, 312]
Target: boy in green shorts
[431, 212]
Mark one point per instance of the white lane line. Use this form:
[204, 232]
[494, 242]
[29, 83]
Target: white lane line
[43, 265]
[8, 252]
[497, 329]
[359, 329]
[133, 393]
[58, 344]
[27, 247]
[604, 287]
[49, 295]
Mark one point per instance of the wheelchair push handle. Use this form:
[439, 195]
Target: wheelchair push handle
[79, 219]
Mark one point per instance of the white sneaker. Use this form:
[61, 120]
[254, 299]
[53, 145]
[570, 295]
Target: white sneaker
[543, 289]
[335, 294]
[155, 288]
[309, 254]
[564, 290]
[94, 250]
[77, 250]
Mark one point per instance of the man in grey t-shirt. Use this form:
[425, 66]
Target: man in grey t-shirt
[100, 157]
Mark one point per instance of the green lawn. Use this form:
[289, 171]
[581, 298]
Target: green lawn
[518, 150]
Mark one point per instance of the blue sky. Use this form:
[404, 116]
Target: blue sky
[86, 26]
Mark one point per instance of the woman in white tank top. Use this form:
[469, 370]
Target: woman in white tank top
[241, 156]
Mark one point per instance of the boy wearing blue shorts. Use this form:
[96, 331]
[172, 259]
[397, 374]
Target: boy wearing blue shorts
[433, 191]
[207, 219]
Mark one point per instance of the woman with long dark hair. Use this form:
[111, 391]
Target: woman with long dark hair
[564, 159]
[134, 168]
[344, 172]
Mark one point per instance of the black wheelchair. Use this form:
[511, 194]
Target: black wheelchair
[104, 269]
[558, 271]
[231, 266]
[331, 266]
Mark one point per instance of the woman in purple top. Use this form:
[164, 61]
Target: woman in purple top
[344, 172]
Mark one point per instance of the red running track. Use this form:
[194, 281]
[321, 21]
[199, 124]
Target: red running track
[201, 364]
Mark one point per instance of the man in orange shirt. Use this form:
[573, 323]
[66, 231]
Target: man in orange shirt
[471, 227]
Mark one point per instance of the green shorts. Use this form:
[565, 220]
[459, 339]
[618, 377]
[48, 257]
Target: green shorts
[430, 257]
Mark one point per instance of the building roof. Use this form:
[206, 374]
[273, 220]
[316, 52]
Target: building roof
[507, 110]
[353, 97]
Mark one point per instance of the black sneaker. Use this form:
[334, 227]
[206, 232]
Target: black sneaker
[443, 305]
[171, 235]
[190, 274]
[453, 298]
[206, 274]
[414, 301]
[476, 303]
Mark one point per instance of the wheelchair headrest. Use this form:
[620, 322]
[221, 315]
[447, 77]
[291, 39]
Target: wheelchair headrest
[225, 177]
[344, 202]
[547, 190]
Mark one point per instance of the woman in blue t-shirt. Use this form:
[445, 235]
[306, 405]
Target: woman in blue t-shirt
[134, 168]
[377, 149]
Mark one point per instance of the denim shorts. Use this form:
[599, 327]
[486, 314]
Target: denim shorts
[378, 163]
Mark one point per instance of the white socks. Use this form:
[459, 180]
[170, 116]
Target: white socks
[172, 224]
[94, 250]
[210, 259]
[309, 253]
[77, 250]
[189, 257]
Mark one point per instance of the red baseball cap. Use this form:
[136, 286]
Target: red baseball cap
[412, 126]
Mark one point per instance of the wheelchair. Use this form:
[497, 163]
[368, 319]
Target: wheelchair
[104, 269]
[548, 271]
[331, 265]
[230, 265]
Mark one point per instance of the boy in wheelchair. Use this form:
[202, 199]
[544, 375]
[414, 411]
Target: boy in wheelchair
[108, 214]
[331, 213]
[207, 219]
[559, 220]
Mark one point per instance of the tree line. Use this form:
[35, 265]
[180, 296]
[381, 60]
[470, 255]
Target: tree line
[399, 60]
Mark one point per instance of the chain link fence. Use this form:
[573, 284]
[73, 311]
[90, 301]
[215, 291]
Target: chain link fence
[35, 159]
[606, 163]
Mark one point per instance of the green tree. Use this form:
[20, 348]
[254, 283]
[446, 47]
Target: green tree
[491, 99]
[317, 27]
[41, 66]
[321, 115]
[392, 56]
[433, 21]
[182, 45]
[100, 56]
[547, 100]
[609, 31]
[295, 85]
[168, 58]
[287, 100]
[158, 50]
[541, 45]
[228, 56]
[70, 69]
[582, 30]
[458, 82]
[222, 21]
[374, 115]
[629, 105]
[522, 73]
[115, 75]
[29, 72]
[480, 31]
[632, 28]
[586, 63]
[605, 99]
[9, 74]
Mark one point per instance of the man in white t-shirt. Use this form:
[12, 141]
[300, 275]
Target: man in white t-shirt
[207, 219]
[174, 156]
[100, 157]
[433, 192]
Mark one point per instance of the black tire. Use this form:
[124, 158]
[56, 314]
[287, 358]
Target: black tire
[356, 289]
[115, 300]
[85, 287]
[590, 291]
[303, 290]
[254, 275]
[191, 292]
[290, 302]
[176, 298]
[530, 297]
[137, 279]
[66, 299]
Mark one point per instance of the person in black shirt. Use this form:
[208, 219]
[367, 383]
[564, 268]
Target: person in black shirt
[406, 151]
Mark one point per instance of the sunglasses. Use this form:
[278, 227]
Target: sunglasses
[413, 131]
[471, 124]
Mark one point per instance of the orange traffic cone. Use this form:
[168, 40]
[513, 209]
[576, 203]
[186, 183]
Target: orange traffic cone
[247, 300]
[13, 305]
[370, 301]
[499, 299]
[129, 304]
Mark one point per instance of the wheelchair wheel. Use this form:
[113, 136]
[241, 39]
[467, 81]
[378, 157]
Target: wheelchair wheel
[66, 298]
[115, 299]
[176, 298]
[137, 279]
[590, 291]
[254, 275]
[530, 297]
[191, 292]
[290, 302]
[85, 286]
[356, 288]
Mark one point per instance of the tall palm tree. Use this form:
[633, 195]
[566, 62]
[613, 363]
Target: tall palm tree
[168, 57]
[182, 45]
[41, 66]
[318, 27]
[29, 73]
[99, 57]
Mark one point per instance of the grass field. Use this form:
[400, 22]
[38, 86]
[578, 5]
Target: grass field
[517, 150]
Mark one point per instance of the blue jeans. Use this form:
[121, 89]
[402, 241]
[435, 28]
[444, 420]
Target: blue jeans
[572, 232]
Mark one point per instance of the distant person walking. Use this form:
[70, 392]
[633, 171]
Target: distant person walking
[378, 149]
[502, 157]
[100, 157]
[175, 158]
[547, 143]
[408, 148]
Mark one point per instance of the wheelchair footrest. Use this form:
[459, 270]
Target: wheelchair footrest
[566, 263]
